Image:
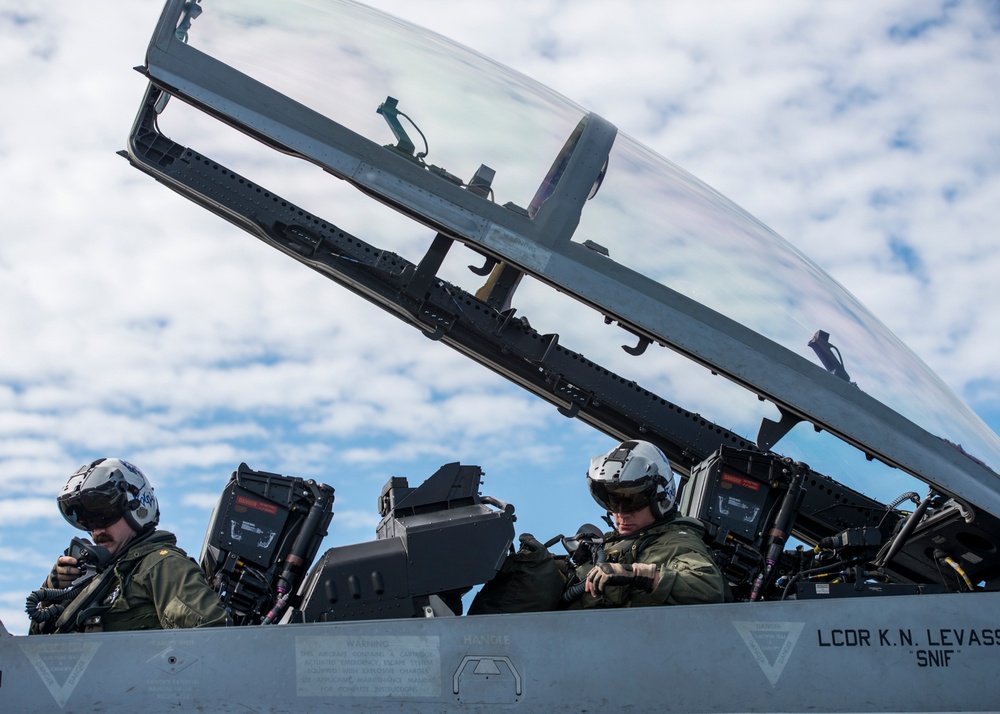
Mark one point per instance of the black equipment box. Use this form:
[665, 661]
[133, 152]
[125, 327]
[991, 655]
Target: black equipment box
[262, 538]
[434, 543]
[734, 491]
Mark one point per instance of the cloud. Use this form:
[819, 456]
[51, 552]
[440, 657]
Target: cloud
[19, 511]
[136, 324]
[201, 501]
[357, 520]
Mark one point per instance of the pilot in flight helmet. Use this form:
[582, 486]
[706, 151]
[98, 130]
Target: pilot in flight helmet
[631, 476]
[102, 492]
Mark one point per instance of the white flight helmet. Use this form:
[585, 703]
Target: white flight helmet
[631, 476]
[102, 492]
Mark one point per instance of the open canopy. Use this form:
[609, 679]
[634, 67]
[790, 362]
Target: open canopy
[488, 158]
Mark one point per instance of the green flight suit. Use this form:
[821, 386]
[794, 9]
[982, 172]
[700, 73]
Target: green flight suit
[688, 574]
[153, 586]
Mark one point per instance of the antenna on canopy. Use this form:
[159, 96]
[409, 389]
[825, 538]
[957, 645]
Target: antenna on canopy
[829, 355]
[191, 12]
[390, 112]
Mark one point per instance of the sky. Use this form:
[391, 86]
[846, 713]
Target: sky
[137, 325]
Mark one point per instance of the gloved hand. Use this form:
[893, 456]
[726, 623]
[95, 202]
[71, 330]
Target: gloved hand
[640, 575]
[64, 572]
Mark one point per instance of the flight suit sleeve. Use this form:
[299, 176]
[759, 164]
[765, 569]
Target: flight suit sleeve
[688, 574]
[179, 592]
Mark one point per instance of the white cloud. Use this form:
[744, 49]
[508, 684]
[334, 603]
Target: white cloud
[20, 511]
[201, 501]
[357, 520]
[136, 324]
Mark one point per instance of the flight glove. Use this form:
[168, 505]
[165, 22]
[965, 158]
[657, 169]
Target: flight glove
[64, 572]
[640, 575]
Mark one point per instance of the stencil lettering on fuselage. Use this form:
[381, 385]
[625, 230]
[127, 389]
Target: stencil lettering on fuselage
[771, 644]
[59, 664]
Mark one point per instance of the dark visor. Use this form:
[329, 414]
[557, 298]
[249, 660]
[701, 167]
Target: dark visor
[622, 498]
[94, 508]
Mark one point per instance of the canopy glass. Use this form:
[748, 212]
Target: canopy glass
[344, 60]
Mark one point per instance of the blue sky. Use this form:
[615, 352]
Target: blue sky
[137, 325]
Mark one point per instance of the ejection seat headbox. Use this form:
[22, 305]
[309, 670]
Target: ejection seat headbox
[434, 543]
[262, 538]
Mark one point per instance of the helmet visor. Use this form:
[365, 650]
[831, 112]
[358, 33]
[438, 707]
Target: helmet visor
[626, 497]
[95, 507]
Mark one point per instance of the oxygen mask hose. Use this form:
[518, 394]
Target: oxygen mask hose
[92, 560]
[575, 592]
[37, 612]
